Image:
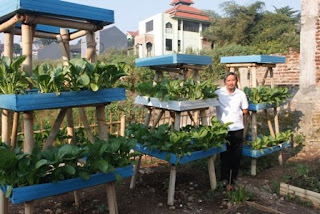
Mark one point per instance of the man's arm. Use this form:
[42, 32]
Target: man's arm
[245, 111]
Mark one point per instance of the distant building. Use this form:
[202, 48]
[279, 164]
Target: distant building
[108, 38]
[174, 31]
[53, 51]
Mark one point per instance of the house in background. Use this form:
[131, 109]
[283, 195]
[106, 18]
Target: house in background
[177, 30]
[131, 35]
[107, 38]
[53, 51]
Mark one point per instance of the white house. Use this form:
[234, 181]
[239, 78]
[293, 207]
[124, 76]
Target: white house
[174, 31]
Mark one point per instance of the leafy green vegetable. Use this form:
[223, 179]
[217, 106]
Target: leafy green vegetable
[178, 89]
[267, 95]
[268, 141]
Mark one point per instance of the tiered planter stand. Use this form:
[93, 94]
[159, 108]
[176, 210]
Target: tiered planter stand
[185, 66]
[248, 66]
[47, 19]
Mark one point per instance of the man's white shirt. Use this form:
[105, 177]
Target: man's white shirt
[231, 106]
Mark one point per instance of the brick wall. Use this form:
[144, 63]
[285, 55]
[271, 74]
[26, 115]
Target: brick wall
[286, 74]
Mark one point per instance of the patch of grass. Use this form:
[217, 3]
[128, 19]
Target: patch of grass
[102, 208]
[302, 169]
[275, 186]
[298, 200]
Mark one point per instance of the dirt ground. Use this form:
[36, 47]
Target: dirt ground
[193, 194]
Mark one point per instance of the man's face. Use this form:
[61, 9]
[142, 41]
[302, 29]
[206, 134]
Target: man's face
[231, 83]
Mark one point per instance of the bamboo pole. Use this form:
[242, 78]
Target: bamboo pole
[148, 117]
[11, 22]
[27, 38]
[63, 23]
[86, 124]
[122, 125]
[288, 187]
[158, 119]
[56, 128]
[135, 173]
[212, 172]
[172, 184]
[269, 123]
[14, 132]
[38, 34]
[253, 166]
[103, 134]
[91, 46]
[78, 34]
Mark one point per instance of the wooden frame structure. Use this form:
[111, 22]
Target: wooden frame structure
[51, 19]
[183, 67]
[248, 67]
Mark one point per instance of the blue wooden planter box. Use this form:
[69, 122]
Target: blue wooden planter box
[29, 193]
[173, 59]
[259, 106]
[254, 59]
[247, 151]
[174, 159]
[38, 101]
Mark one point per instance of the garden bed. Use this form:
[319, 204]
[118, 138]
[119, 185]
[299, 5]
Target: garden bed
[251, 207]
[176, 105]
[247, 151]
[174, 159]
[29, 193]
[306, 187]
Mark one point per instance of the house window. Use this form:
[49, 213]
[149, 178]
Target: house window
[149, 26]
[205, 26]
[179, 45]
[168, 27]
[191, 26]
[179, 24]
[149, 48]
[168, 44]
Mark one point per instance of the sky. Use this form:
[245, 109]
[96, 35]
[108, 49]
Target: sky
[128, 13]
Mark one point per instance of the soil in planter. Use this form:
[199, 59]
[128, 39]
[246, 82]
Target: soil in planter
[248, 210]
[309, 181]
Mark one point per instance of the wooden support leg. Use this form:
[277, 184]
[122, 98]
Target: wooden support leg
[172, 184]
[212, 172]
[280, 157]
[5, 120]
[14, 132]
[135, 174]
[28, 207]
[86, 124]
[3, 204]
[253, 167]
[112, 198]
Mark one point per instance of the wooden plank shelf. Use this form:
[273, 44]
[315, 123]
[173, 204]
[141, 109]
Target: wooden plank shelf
[38, 101]
[174, 159]
[247, 151]
[260, 59]
[30, 193]
[178, 106]
[173, 60]
[303, 194]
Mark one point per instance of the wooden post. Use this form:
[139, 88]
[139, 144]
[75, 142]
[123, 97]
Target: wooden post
[27, 38]
[91, 47]
[122, 125]
[70, 127]
[254, 121]
[269, 123]
[86, 124]
[14, 132]
[56, 128]
[173, 171]
[135, 173]
[277, 129]
[27, 148]
[148, 117]
[103, 135]
[172, 184]
[212, 172]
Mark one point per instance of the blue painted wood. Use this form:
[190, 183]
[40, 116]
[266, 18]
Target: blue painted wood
[247, 151]
[254, 59]
[29, 193]
[38, 101]
[56, 8]
[173, 59]
[174, 159]
[261, 106]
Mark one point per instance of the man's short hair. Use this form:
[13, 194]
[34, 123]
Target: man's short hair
[229, 73]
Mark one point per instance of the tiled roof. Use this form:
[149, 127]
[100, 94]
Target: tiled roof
[133, 33]
[174, 2]
[185, 11]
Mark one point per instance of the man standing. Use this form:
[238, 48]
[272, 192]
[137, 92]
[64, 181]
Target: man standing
[233, 106]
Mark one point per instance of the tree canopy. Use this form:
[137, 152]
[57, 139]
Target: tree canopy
[267, 32]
